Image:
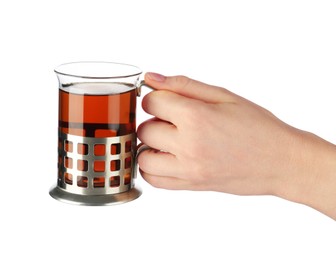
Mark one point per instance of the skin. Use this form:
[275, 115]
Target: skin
[205, 137]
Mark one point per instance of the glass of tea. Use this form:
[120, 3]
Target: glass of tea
[96, 133]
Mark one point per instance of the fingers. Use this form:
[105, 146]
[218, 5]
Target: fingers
[159, 163]
[189, 88]
[164, 182]
[162, 170]
[176, 99]
[168, 106]
[158, 134]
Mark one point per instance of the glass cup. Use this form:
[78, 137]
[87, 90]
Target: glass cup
[97, 133]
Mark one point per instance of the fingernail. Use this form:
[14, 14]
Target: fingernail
[156, 76]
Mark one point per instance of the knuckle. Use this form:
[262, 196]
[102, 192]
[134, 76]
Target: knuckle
[148, 100]
[195, 169]
[143, 162]
[140, 130]
[145, 102]
[188, 111]
[152, 98]
[198, 174]
[194, 112]
[144, 131]
[182, 81]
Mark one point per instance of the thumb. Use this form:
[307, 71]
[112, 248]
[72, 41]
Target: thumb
[189, 88]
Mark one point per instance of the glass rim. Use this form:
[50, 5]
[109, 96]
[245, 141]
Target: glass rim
[72, 69]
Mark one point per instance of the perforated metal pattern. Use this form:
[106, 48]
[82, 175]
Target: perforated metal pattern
[96, 166]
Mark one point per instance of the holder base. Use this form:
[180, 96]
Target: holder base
[95, 200]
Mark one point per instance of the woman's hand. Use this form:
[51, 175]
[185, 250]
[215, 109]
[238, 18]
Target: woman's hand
[206, 138]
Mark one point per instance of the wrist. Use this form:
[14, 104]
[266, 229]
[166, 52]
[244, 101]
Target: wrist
[312, 179]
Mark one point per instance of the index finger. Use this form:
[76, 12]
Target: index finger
[189, 88]
[167, 105]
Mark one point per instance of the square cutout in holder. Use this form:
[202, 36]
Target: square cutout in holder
[99, 166]
[68, 146]
[115, 149]
[99, 182]
[128, 146]
[128, 162]
[68, 178]
[115, 165]
[82, 181]
[68, 162]
[99, 149]
[82, 149]
[82, 165]
[114, 181]
[127, 178]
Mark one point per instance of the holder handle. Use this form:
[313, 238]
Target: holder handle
[142, 83]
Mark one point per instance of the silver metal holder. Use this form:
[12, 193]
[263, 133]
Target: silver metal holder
[96, 171]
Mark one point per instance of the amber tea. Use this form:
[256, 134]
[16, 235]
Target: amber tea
[97, 115]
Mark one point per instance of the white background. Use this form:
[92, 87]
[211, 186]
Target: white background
[279, 54]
